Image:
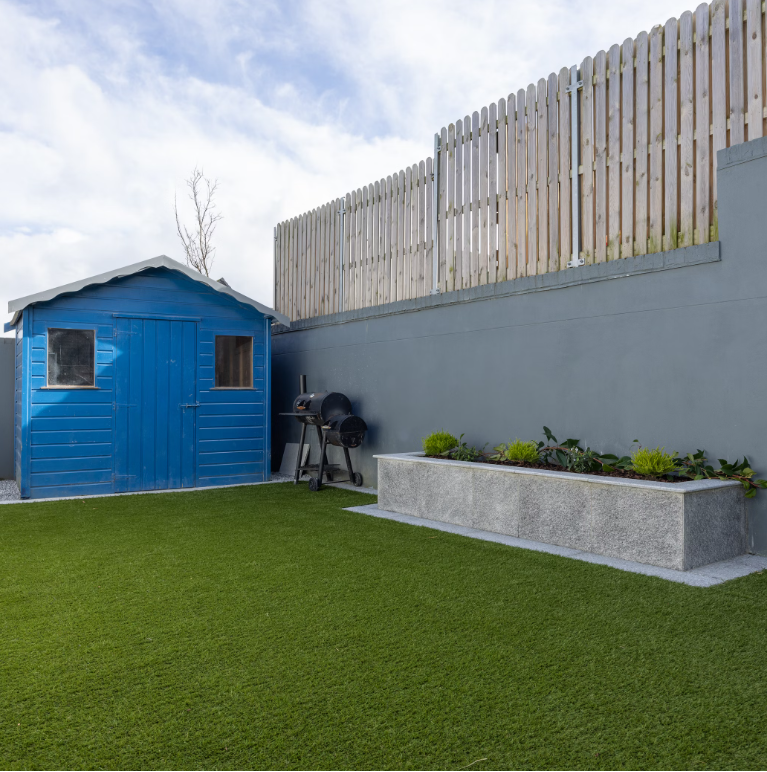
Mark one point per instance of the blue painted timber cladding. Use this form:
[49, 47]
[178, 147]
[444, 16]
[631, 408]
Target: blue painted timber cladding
[154, 419]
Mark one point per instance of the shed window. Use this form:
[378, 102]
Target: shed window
[71, 357]
[234, 362]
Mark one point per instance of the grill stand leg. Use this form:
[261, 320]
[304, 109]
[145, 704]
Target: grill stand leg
[323, 452]
[323, 459]
[349, 464]
[300, 455]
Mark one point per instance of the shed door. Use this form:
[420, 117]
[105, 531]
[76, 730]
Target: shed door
[155, 404]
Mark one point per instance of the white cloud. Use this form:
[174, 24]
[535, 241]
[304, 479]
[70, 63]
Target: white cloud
[104, 112]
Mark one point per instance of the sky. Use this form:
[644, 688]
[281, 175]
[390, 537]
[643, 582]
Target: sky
[106, 107]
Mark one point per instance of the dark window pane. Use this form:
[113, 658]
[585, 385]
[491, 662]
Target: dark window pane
[70, 357]
[234, 361]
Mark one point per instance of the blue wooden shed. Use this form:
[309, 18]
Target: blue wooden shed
[148, 377]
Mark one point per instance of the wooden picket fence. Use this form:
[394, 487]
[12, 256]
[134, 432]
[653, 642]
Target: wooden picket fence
[651, 115]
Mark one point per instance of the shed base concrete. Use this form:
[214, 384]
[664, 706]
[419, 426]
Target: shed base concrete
[703, 576]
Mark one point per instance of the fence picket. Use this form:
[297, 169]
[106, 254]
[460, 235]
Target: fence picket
[401, 210]
[365, 266]
[406, 233]
[627, 149]
[503, 247]
[475, 265]
[718, 90]
[532, 182]
[614, 154]
[521, 183]
[332, 268]
[418, 223]
[587, 161]
[442, 221]
[542, 173]
[421, 228]
[320, 258]
[481, 201]
[656, 140]
[296, 269]
[702, 117]
[388, 230]
[329, 272]
[671, 105]
[373, 194]
[353, 249]
[511, 184]
[642, 142]
[460, 276]
[553, 175]
[299, 267]
[492, 193]
[309, 296]
[686, 112]
[450, 214]
[737, 107]
[754, 56]
[428, 268]
[466, 268]
[394, 237]
[358, 250]
[348, 227]
[413, 293]
[600, 157]
[328, 259]
[317, 261]
[565, 209]
[381, 270]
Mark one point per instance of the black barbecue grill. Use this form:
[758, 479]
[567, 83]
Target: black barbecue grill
[331, 413]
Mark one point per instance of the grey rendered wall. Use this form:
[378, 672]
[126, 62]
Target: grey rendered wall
[7, 371]
[670, 349]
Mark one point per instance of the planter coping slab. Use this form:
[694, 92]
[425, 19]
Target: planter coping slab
[691, 486]
[703, 576]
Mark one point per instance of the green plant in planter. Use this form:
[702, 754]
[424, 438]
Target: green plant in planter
[570, 455]
[519, 450]
[653, 462]
[439, 442]
[464, 452]
[694, 465]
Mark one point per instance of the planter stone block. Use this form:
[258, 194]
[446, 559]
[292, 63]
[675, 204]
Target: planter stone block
[713, 527]
[554, 512]
[495, 506]
[646, 526]
[671, 525]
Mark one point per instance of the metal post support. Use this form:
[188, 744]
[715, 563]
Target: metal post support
[342, 215]
[575, 188]
[435, 218]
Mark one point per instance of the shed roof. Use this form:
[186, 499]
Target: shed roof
[18, 305]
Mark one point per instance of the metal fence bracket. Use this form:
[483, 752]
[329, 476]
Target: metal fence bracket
[575, 193]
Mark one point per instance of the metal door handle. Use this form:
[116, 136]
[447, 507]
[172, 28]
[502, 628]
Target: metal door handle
[196, 404]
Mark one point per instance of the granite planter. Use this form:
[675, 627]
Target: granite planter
[671, 525]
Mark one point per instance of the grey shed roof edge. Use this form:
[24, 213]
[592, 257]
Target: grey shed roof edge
[162, 261]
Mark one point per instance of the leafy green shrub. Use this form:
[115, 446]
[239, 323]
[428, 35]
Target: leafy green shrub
[653, 462]
[519, 450]
[695, 467]
[464, 452]
[439, 442]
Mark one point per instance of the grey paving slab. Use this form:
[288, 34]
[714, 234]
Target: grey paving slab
[136, 493]
[704, 576]
[9, 491]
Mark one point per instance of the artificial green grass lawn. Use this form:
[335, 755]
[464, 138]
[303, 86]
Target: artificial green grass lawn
[265, 627]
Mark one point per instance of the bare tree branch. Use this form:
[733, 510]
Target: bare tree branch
[198, 247]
